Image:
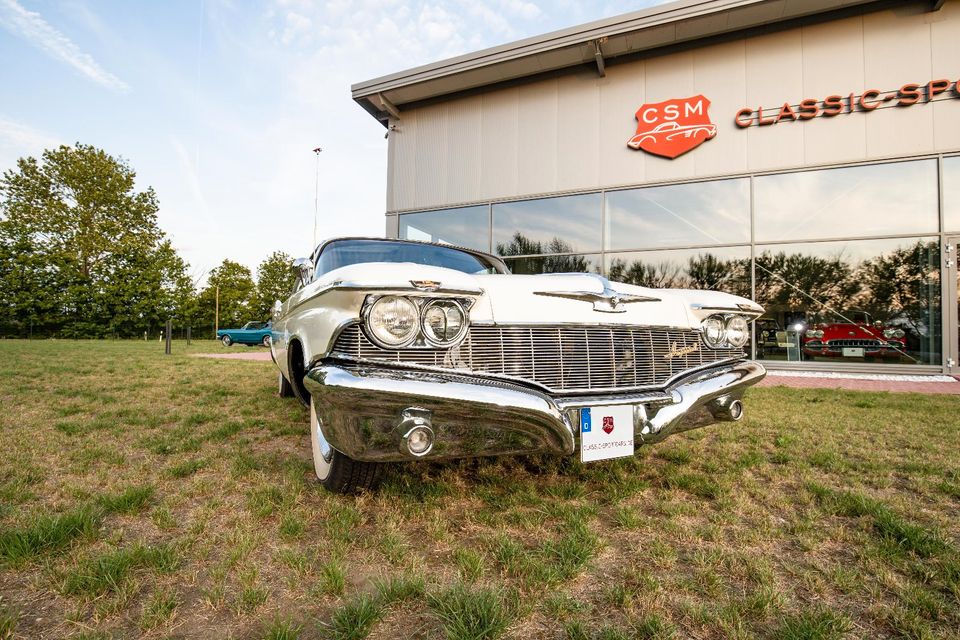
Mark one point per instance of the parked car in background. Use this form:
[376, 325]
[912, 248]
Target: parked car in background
[416, 351]
[857, 335]
[252, 333]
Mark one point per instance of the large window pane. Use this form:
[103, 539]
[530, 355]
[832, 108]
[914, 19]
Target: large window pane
[466, 227]
[684, 214]
[552, 225]
[554, 264]
[951, 194]
[875, 301]
[725, 269]
[874, 200]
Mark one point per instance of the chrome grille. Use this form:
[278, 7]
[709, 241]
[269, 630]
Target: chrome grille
[853, 342]
[561, 358]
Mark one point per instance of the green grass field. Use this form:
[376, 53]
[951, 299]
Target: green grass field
[172, 496]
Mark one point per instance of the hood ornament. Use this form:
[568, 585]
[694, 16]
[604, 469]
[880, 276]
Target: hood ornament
[425, 285]
[609, 301]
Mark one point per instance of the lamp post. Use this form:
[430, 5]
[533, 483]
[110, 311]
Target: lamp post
[216, 315]
[316, 197]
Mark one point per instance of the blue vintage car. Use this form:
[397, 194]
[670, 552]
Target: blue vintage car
[252, 333]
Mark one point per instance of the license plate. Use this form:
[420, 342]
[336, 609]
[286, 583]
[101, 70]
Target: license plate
[853, 352]
[606, 432]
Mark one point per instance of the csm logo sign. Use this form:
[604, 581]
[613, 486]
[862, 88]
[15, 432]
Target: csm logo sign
[673, 127]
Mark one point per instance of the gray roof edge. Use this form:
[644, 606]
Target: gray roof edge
[644, 18]
[655, 16]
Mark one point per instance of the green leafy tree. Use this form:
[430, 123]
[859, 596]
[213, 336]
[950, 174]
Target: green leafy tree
[81, 254]
[236, 292]
[275, 280]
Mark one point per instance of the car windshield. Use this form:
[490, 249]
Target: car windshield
[255, 325]
[341, 253]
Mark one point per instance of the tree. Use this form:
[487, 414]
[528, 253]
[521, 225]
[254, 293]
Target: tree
[236, 292]
[81, 254]
[275, 279]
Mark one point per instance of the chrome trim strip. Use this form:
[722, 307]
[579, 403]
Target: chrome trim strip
[743, 309]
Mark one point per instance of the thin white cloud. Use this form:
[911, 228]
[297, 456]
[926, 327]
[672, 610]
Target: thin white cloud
[32, 27]
[18, 140]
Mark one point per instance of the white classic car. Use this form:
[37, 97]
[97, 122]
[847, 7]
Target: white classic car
[416, 351]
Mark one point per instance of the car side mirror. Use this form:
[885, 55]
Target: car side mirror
[277, 308]
[305, 268]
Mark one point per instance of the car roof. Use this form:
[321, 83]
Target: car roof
[495, 259]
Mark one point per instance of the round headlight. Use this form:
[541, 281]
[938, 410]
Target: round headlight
[444, 322]
[898, 333]
[393, 321]
[713, 332]
[738, 331]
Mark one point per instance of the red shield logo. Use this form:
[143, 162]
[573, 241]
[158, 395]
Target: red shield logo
[607, 424]
[673, 127]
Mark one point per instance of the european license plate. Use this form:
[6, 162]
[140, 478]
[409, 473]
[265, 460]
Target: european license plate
[853, 352]
[606, 432]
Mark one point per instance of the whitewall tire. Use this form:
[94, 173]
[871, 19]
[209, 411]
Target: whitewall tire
[335, 471]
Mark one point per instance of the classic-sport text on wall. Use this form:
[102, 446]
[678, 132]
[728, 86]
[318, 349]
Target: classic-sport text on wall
[809, 108]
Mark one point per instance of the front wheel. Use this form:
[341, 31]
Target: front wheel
[226, 341]
[335, 471]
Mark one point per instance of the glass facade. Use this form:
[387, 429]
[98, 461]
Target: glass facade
[467, 227]
[871, 200]
[846, 260]
[566, 224]
[716, 212]
[951, 194]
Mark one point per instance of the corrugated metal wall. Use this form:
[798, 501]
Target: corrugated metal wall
[570, 133]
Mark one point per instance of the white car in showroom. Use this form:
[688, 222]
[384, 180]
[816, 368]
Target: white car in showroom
[417, 351]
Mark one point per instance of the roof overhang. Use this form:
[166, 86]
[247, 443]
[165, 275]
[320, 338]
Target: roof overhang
[658, 27]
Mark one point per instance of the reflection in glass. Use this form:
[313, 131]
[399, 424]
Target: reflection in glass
[951, 194]
[554, 264]
[862, 301]
[723, 269]
[549, 225]
[874, 200]
[466, 227]
[715, 212]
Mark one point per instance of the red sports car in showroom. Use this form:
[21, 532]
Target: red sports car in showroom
[858, 336]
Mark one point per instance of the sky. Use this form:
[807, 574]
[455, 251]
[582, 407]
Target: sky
[218, 104]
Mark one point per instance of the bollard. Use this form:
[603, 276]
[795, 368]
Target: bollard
[168, 333]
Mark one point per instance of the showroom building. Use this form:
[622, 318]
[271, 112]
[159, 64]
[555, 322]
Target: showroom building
[803, 153]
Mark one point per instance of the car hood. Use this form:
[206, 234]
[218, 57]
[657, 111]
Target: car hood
[581, 298]
[588, 298]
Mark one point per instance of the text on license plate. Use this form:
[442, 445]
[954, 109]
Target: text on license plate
[853, 352]
[606, 431]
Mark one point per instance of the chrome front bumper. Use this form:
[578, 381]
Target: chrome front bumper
[363, 410]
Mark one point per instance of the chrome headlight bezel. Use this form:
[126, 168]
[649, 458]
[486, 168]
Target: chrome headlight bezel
[743, 331]
[721, 340]
[371, 330]
[420, 338]
[714, 331]
[425, 330]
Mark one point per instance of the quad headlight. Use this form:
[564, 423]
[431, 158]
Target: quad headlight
[893, 333]
[725, 331]
[393, 322]
[738, 331]
[444, 322]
